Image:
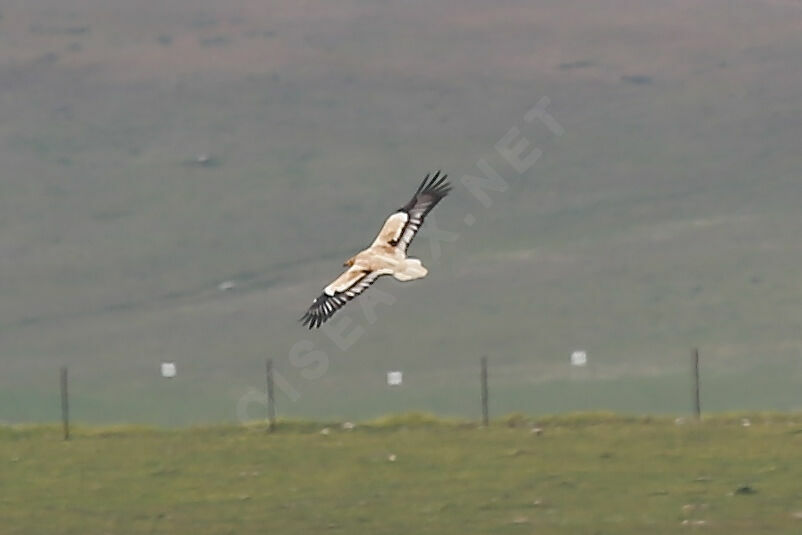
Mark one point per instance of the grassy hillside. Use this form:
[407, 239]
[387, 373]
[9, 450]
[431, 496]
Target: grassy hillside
[152, 152]
[586, 473]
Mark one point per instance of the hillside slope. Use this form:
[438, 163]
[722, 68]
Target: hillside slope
[151, 153]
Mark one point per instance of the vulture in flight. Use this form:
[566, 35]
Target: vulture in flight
[387, 255]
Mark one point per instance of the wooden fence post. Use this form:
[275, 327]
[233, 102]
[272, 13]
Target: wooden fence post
[697, 404]
[65, 404]
[483, 378]
[271, 398]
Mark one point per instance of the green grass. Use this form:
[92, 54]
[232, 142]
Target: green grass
[584, 473]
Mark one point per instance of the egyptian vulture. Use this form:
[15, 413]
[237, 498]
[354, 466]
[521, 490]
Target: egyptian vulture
[387, 255]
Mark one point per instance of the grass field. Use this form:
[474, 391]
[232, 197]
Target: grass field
[583, 474]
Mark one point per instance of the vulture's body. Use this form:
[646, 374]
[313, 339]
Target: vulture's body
[387, 255]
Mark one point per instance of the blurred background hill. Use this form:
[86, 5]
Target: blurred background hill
[154, 151]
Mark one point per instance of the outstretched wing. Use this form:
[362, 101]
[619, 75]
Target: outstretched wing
[345, 288]
[429, 193]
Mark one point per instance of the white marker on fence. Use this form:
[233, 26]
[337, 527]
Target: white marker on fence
[168, 370]
[395, 378]
[579, 358]
[226, 286]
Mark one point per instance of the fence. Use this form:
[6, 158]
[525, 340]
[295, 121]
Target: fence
[394, 378]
